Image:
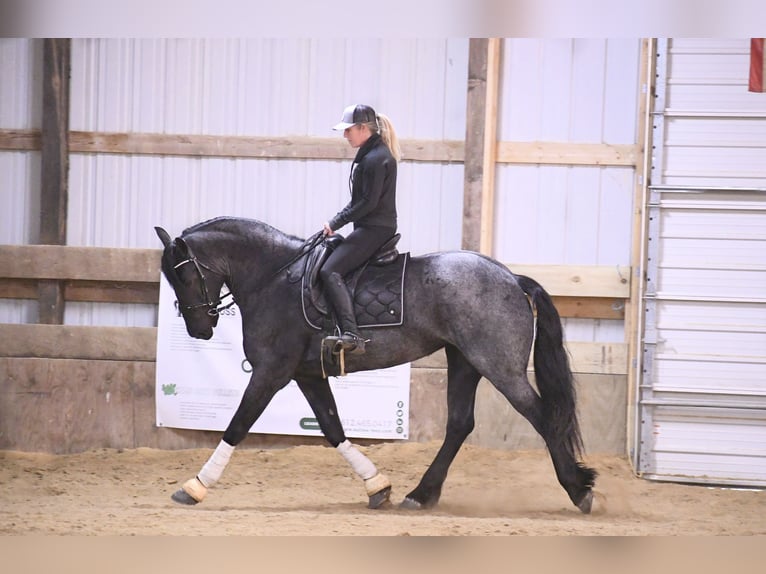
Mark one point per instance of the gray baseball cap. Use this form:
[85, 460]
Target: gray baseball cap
[355, 114]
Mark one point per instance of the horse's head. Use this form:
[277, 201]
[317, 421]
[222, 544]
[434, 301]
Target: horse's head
[196, 286]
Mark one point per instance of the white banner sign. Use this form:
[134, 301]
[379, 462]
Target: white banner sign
[200, 383]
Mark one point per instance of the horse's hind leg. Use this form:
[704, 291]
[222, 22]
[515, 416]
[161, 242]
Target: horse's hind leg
[322, 403]
[576, 479]
[462, 380]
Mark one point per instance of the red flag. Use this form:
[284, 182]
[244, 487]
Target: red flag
[757, 66]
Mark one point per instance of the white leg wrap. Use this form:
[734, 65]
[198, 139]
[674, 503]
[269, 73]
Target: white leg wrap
[213, 469]
[361, 464]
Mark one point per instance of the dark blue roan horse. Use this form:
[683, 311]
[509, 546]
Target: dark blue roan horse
[472, 306]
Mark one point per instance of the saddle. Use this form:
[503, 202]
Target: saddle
[376, 287]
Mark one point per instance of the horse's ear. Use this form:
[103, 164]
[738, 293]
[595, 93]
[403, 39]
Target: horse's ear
[163, 235]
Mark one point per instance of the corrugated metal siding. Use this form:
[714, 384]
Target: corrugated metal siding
[266, 87]
[715, 130]
[20, 108]
[711, 446]
[703, 394]
[256, 87]
[579, 91]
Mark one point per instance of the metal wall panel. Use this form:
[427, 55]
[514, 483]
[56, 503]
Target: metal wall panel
[20, 93]
[256, 87]
[711, 446]
[702, 399]
[578, 91]
[267, 87]
[20, 108]
[714, 128]
[570, 90]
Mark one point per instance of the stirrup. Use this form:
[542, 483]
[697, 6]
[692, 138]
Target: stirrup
[352, 343]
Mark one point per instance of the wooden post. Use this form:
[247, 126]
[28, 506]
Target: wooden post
[54, 167]
[481, 144]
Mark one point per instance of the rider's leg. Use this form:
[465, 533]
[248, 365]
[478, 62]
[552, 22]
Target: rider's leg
[340, 299]
[357, 248]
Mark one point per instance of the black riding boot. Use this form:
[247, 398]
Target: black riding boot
[340, 298]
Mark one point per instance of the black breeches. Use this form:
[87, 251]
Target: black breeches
[357, 248]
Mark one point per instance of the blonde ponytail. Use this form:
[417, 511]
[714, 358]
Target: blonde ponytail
[388, 133]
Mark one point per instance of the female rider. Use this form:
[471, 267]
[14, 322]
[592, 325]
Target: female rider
[372, 210]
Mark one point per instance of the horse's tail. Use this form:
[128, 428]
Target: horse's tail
[553, 374]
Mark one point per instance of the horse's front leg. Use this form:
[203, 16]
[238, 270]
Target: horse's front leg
[322, 402]
[255, 399]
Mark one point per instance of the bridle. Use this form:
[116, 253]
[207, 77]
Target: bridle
[213, 307]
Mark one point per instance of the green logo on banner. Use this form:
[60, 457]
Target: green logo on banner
[308, 423]
[170, 389]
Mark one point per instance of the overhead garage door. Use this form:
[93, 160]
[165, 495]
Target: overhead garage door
[702, 397]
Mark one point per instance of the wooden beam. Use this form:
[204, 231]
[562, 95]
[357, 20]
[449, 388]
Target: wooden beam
[196, 145]
[58, 262]
[18, 288]
[590, 307]
[580, 307]
[579, 280]
[140, 344]
[54, 166]
[487, 230]
[308, 147]
[565, 153]
[78, 342]
[123, 265]
[211, 146]
[477, 107]
[297, 147]
[586, 358]
[89, 269]
[107, 292]
[20, 140]
[54, 140]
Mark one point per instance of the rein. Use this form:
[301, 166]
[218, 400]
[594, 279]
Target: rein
[308, 246]
[215, 307]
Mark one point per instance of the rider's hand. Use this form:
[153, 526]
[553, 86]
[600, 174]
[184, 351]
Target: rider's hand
[327, 230]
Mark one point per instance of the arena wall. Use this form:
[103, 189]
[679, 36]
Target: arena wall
[171, 132]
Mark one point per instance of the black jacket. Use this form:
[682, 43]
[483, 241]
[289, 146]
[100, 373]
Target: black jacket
[373, 188]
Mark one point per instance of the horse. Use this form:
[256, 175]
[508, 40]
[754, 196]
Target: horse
[486, 318]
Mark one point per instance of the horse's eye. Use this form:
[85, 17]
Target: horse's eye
[186, 278]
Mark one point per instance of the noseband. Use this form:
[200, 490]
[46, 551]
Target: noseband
[213, 307]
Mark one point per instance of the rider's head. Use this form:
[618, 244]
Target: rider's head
[358, 114]
[363, 118]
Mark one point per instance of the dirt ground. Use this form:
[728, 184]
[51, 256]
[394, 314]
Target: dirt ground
[309, 490]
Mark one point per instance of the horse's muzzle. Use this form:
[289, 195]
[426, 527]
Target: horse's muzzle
[204, 334]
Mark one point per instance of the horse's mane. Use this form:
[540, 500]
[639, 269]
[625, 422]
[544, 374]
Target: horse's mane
[238, 225]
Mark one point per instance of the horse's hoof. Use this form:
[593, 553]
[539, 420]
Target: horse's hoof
[182, 497]
[410, 504]
[379, 498]
[586, 503]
